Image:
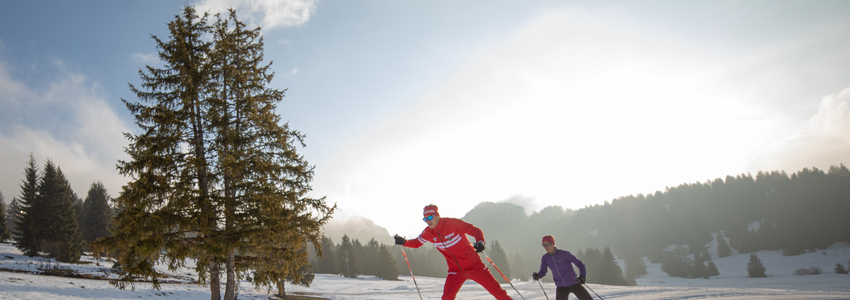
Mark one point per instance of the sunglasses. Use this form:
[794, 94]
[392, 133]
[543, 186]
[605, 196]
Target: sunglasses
[547, 244]
[428, 218]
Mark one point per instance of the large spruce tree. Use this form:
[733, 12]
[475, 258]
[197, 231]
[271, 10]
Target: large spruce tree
[57, 225]
[215, 176]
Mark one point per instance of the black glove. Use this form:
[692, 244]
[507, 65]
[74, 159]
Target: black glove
[581, 279]
[399, 240]
[536, 276]
[479, 246]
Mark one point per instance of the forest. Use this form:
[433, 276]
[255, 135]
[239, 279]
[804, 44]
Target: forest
[795, 213]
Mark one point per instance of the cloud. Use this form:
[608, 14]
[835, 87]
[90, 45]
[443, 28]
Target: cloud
[266, 13]
[823, 141]
[66, 120]
[571, 111]
[145, 58]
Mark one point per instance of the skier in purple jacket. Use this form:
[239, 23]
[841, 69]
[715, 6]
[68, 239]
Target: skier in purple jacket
[561, 263]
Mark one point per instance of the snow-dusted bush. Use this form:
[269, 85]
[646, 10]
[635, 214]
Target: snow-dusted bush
[839, 269]
[809, 271]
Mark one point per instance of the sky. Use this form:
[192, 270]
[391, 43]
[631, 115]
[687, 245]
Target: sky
[404, 104]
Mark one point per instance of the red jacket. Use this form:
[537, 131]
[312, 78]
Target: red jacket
[449, 236]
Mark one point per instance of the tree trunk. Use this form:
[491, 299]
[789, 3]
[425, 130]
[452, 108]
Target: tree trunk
[215, 285]
[281, 289]
[230, 287]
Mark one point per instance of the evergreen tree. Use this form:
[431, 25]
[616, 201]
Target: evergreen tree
[14, 215]
[5, 232]
[326, 262]
[699, 269]
[723, 249]
[368, 257]
[676, 263]
[755, 268]
[712, 269]
[215, 176]
[58, 227]
[97, 215]
[25, 239]
[609, 271]
[519, 268]
[385, 264]
[635, 267]
[500, 259]
[298, 271]
[347, 262]
[839, 269]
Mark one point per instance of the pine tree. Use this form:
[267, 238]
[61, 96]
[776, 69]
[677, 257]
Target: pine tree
[97, 215]
[755, 268]
[385, 264]
[326, 262]
[712, 269]
[839, 269]
[369, 256]
[14, 216]
[500, 259]
[25, 239]
[610, 271]
[215, 176]
[519, 268]
[256, 156]
[347, 258]
[635, 267]
[5, 233]
[699, 269]
[58, 227]
[723, 249]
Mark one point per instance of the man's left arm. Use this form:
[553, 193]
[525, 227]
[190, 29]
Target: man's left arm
[466, 228]
[577, 262]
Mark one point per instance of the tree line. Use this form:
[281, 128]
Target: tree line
[48, 217]
[772, 210]
[350, 258]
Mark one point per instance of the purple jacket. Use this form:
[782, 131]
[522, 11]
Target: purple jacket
[562, 269]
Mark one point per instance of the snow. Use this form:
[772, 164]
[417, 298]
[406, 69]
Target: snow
[732, 283]
[754, 226]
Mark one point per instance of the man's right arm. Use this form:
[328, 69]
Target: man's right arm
[414, 243]
[543, 267]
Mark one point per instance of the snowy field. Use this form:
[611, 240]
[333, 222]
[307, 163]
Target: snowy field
[732, 283]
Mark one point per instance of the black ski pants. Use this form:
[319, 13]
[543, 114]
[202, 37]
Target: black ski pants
[563, 292]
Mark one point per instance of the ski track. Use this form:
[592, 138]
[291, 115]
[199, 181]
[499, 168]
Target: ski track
[732, 284]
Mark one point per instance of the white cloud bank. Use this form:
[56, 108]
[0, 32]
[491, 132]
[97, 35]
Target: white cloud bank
[823, 141]
[266, 13]
[67, 121]
[570, 111]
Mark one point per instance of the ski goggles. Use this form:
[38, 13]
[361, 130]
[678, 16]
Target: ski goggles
[428, 218]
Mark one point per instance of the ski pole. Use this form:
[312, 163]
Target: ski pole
[544, 290]
[503, 275]
[597, 295]
[411, 273]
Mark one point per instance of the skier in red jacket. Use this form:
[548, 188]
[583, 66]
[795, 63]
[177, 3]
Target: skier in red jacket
[449, 237]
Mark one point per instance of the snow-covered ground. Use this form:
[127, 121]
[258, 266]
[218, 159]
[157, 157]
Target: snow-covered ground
[732, 283]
